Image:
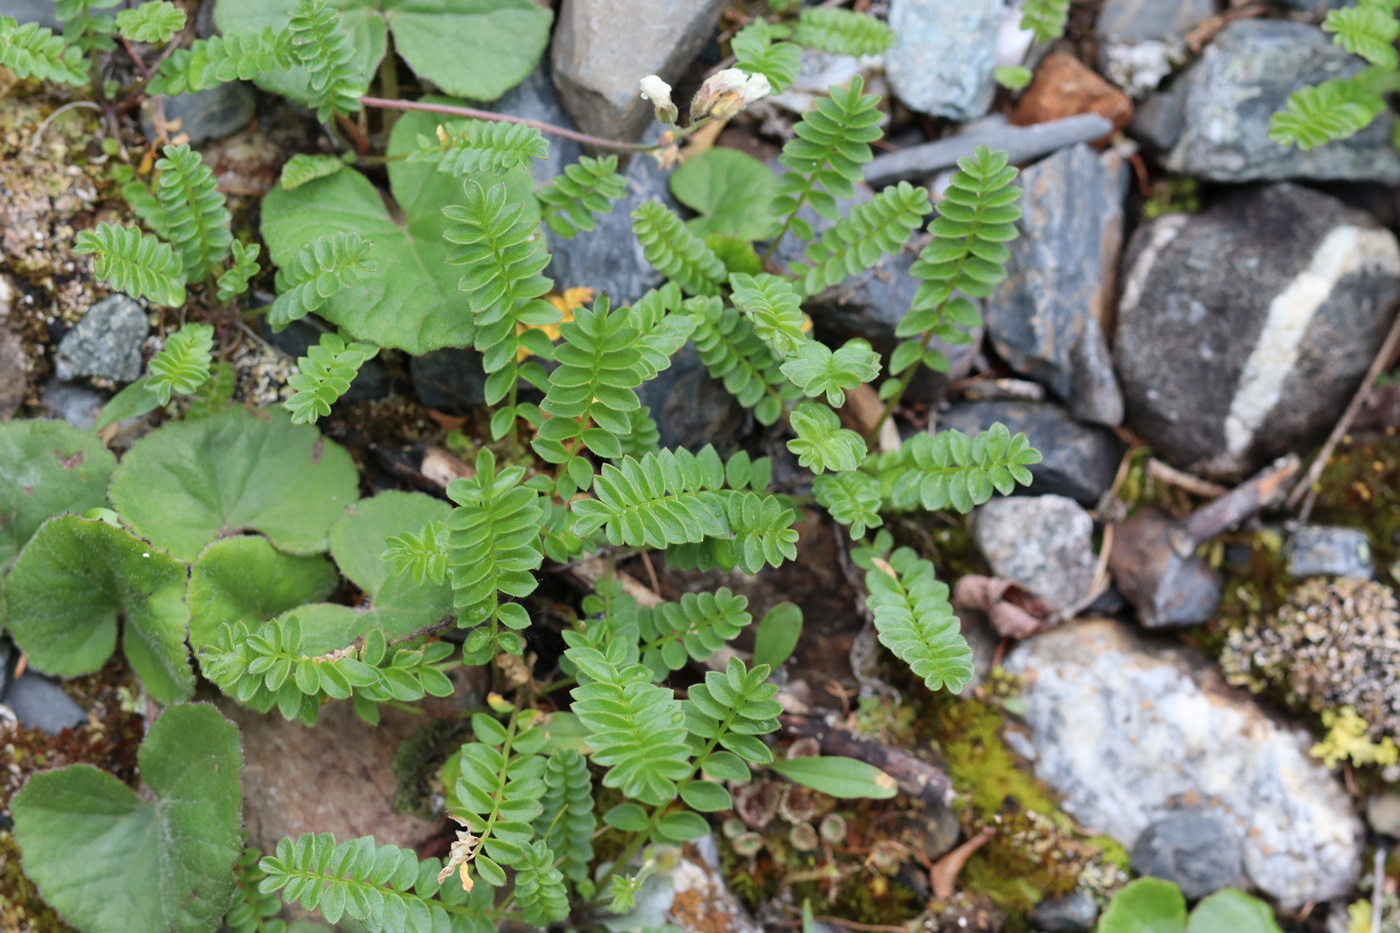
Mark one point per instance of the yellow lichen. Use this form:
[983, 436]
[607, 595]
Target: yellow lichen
[1346, 740]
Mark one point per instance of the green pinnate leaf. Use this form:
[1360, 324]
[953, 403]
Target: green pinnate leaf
[1368, 30]
[774, 309]
[675, 251]
[159, 862]
[914, 619]
[876, 228]
[818, 370]
[324, 375]
[322, 46]
[585, 189]
[481, 146]
[32, 51]
[301, 168]
[182, 366]
[757, 51]
[234, 280]
[950, 469]
[72, 581]
[194, 217]
[151, 22]
[137, 263]
[1326, 112]
[207, 63]
[321, 270]
[844, 32]
[852, 498]
[821, 443]
[188, 483]
[1045, 18]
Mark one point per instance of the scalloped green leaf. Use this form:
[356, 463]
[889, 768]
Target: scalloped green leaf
[111, 861]
[190, 483]
[473, 48]
[47, 467]
[1147, 905]
[246, 579]
[730, 190]
[411, 302]
[70, 583]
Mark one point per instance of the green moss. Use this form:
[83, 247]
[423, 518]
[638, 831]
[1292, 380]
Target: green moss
[1359, 489]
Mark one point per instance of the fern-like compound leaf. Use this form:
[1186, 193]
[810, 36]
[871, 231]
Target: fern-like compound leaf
[134, 262]
[481, 146]
[817, 370]
[635, 728]
[730, 710]
[761, 533]
[252, 911]
[196, 218]
[321, 45]
[89, 31]
[321, 268]
[951, 470]
[153, 21]
[757, 51]
[497, 794]
[1045, 18]
[855, 243]
[502, 257]
[234, 280]
[183, 366]
[773, 308]
[385, 888]
[821, 443]
[423, 555]
[539, 887]
[585, 190]
[657, 500]
[914, 619]
[852, 498]
[493, 542]
[1368, 30]
[302, 168]
[824, 159]
[694, 628]
[566, 821]
[592, 390]
[324, 375]
[663, 330]
[1326, 112]
[31, 51]
[733, 353]
[207, 63]
[676, 252]
[842, 31]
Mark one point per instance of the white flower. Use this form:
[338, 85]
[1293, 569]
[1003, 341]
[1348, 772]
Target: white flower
[659, 93]
[727, 92]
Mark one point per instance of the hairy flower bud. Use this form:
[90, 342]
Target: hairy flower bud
[727, 92]
[659, 93]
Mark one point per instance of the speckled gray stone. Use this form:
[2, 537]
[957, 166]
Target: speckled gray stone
[1316, 550]
[1042, 543]
[204, 115]
[1241, 80]
[1141, 41]
[106, 342]
[943, 55]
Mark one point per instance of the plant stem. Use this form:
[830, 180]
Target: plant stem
[389, 83]
[893, 401]
[475, 114]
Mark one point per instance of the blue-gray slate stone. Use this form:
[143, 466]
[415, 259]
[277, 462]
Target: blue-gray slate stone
[943, 55]
[39, 703]
[1200, 851]
[1241, 80]
[451, 380]
[1074, 912]
[1317, 550]
[1043, 319]
[690, 408]
[76, 404]
[106, 342]
[1141, 41]
[1244, 330]
[1020, 143]
[204, 115]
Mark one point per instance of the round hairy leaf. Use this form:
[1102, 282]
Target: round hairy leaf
[474, 48]
[1230, 910]
[110, 862]
[837, 776]
[396, 605]
[731, 190]
[411, 300]
[69, 584]
[47, 467]
[189, 483]
[1147, 905]
[246, 579]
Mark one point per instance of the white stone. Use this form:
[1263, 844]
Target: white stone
[1130, 732]
[1042, 543]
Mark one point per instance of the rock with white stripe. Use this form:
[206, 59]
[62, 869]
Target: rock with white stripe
[1244, 330]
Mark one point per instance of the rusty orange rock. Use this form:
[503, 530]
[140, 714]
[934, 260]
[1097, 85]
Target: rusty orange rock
[1064, 86]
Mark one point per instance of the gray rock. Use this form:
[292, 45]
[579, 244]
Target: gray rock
[43, 12]
[450, 380]
[1079, 460]
[1141, 41]
[76, 404]
[1241, 80]
[1021, 143]
[1042, 543]
[943, 54]
[1315, 550]
[7, 655]
[40, 703]
[1244, 330]
[603, 49]
[1199, 851]
[691, 409]
[204, 115]
[1060, 278]
[870, 306]
[1073, 913]
[1157, 121]
[1383, 813]
[609, 258]
[1129, 731]
[106, 342]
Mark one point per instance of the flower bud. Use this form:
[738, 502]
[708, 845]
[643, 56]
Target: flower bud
[659, 93]
[727, 92]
